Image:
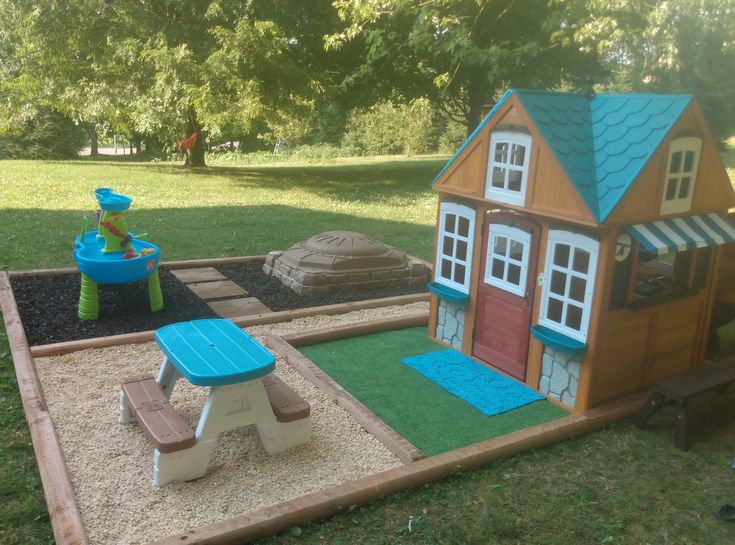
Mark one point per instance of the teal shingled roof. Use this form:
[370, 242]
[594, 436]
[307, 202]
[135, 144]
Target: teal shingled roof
[602, 143]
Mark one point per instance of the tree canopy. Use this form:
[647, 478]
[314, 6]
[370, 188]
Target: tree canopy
[461, 52]
[289, 69]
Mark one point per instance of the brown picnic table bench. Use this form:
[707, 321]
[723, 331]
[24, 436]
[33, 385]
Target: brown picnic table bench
[675, 391]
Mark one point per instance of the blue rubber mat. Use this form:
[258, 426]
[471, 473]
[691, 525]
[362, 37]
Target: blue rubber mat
[489, 392]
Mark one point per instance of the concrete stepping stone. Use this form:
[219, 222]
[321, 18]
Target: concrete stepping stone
[246, 306]
[201, 274]
[216, 290]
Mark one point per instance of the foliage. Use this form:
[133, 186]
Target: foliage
[48, 135]
[467, 49]
[666, 46]
[306, 153]
[389, 129]
[166, 68]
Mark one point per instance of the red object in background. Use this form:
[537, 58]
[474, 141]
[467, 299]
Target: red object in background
[188, 143]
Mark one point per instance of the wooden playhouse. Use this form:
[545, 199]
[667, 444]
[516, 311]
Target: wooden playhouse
[577, 242]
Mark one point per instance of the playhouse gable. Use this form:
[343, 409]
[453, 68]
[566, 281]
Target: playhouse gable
[685, 176]
[533, 145]
[603, 143]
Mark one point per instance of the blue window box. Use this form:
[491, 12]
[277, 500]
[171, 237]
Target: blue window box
[557, 341]
[448, 294]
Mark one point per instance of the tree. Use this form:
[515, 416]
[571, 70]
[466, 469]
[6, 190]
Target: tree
[672, 46]
[49, 135]
[468, 49]
[166, 68]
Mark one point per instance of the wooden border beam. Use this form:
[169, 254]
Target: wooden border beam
[397, 444]
[56, 349]
[320, 505]
[66, 520]
[183, 264]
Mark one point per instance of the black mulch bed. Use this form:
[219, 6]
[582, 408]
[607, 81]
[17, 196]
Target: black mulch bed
[273, 294]
[48, 304]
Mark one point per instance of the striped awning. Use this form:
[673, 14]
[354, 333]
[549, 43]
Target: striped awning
[684, 233]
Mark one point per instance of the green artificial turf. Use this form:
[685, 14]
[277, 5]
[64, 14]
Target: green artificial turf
[428, 416]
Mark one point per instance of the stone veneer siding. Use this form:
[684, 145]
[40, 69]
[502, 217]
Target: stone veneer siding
[450, 323]
[560, 375]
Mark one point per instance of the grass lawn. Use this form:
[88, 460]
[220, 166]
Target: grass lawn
[428, 416]
[617, 486]
[218, 211]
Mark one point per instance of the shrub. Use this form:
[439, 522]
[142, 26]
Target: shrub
[411, 128]
[49, 135]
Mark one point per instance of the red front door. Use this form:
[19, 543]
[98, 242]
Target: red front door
[504, 299]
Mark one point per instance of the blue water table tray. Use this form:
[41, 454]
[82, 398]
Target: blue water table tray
[112, 255]
[114, 267]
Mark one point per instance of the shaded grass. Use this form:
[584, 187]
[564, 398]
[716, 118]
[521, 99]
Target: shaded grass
[617, 486]
[23, 516]
[218, 211]
[428, 416]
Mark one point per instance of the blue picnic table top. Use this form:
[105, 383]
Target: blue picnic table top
[214, 352]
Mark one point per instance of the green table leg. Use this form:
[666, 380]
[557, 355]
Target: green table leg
[154, 291]
[89, 302]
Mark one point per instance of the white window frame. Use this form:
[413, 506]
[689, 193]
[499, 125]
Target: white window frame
[678, 204]
[510, 233]
[459, 211]
[574, 241]
[505, 195]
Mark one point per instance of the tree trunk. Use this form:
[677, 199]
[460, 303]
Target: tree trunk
[477, 97]
[152, 144]
[94, 150]
[195, 155]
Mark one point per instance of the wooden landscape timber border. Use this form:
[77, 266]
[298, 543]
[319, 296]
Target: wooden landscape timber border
[172, 265]
[66, 347]
[323, 504]
[66, 519]
[138, 337]
[183, 264]
[286, 345]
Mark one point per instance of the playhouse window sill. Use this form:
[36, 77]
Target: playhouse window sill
[448, 294]
[557, 341]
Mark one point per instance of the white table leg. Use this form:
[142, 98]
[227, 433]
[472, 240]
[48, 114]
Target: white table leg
[167, 377]
[183, 465]
[233, 406]
[125, 415]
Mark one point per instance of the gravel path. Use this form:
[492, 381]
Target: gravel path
[111, 464]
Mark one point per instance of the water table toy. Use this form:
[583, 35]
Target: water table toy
[113, 255]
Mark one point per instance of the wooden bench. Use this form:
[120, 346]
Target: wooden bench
[678, 389]
[287, 405]
[161, 423]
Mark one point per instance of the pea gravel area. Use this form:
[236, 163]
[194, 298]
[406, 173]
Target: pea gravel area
[110, 464]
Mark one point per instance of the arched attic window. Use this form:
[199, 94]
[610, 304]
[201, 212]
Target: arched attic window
[507, 166]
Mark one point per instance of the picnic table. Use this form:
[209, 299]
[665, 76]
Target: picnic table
[215, 354]
[676, 391]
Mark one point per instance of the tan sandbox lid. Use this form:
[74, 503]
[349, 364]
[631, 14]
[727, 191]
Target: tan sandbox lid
[343, 251]
[343, 260]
